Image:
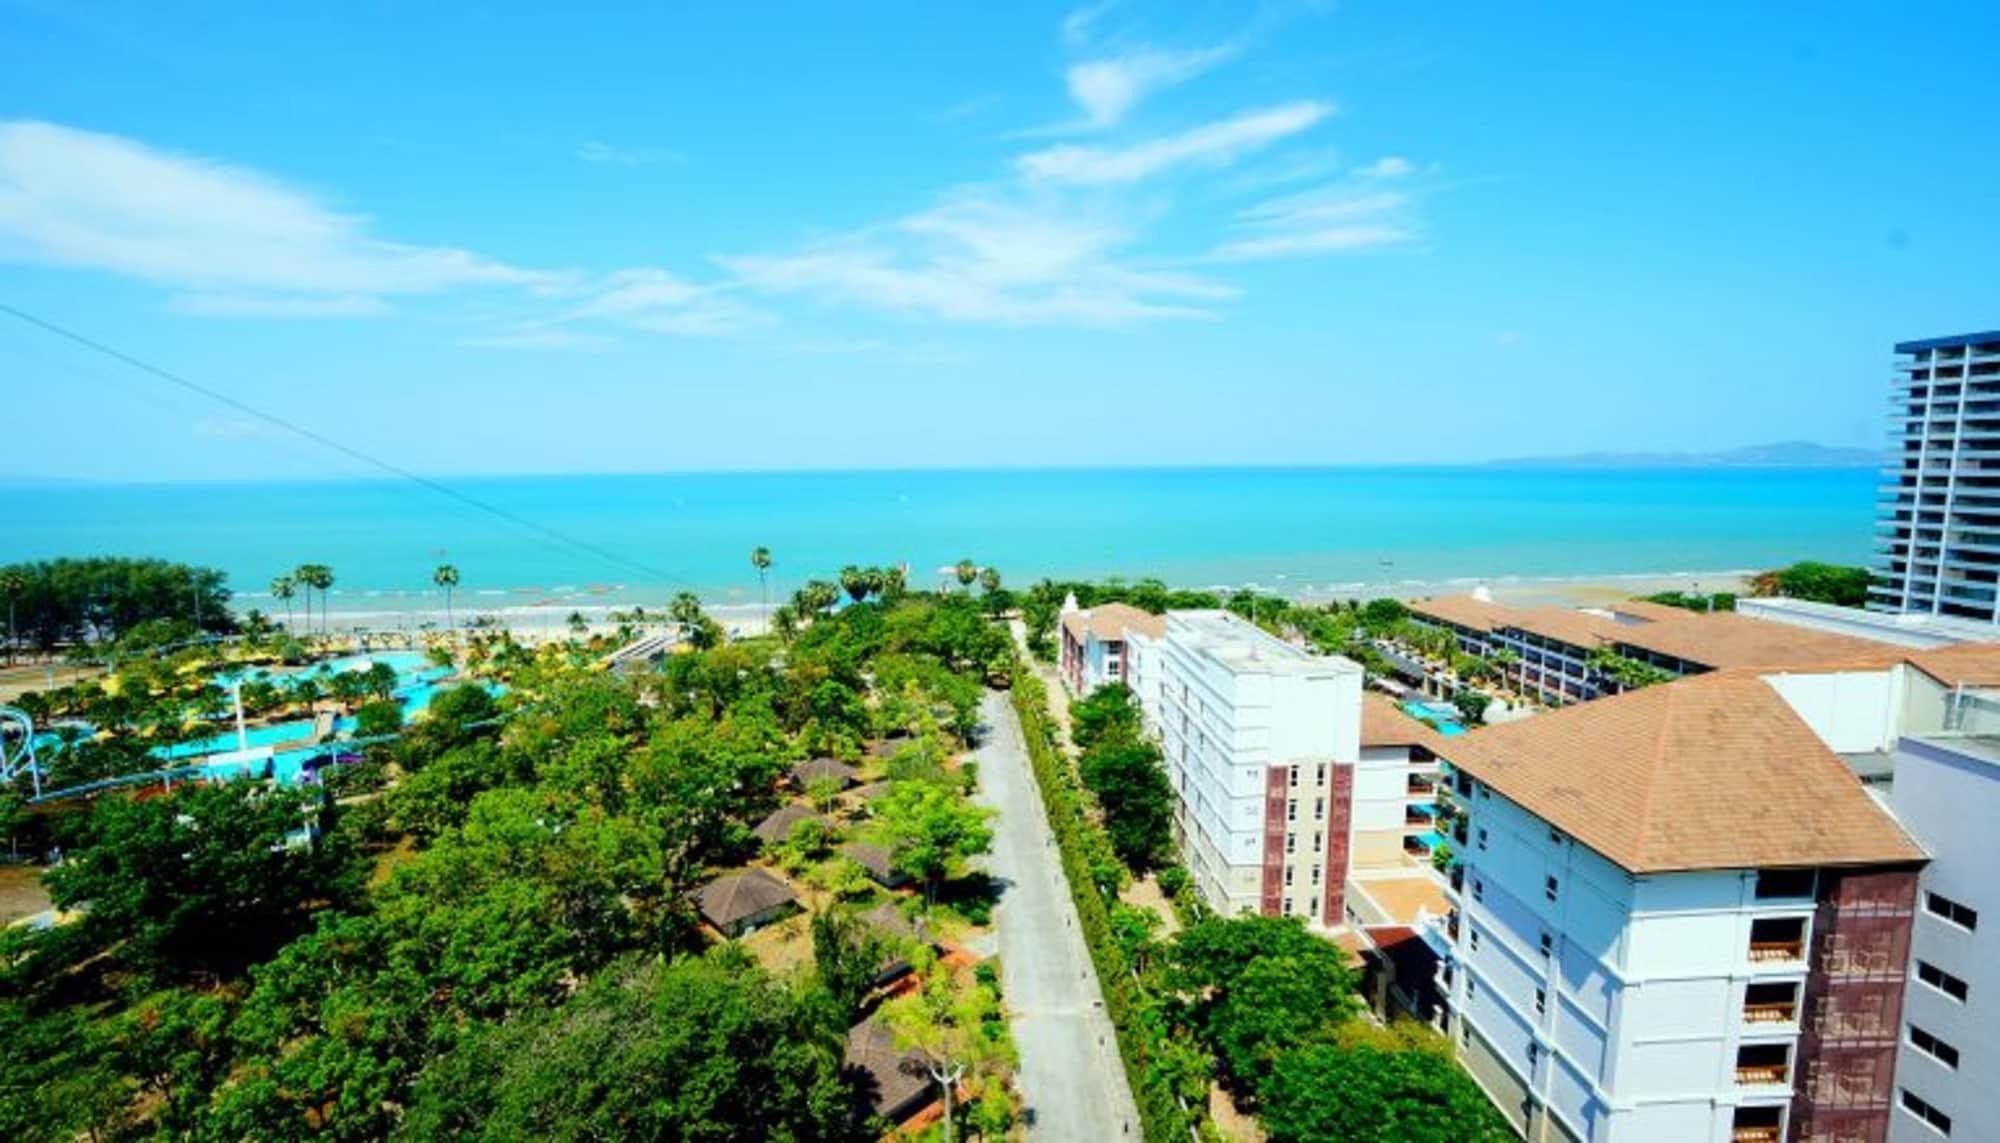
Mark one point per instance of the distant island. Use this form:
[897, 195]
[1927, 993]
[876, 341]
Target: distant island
[1784, 454]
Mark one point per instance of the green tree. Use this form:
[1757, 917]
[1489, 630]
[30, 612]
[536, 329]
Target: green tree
[856, 582]
[1258, 986]
[956, 1030]
[1329, 1091]
[701, 1049]
[965, 571]
[760, 558]
[1812, 580]
[1111, 712]
[1131, 785]
[284, 587]
[175, 1044]
[205, 880]
[12, 583]
[934, 830]
[848, 954]
[446, 577]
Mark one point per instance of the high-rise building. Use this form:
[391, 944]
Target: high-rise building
[1939, 509]
[1678, 915]
[1260, 740]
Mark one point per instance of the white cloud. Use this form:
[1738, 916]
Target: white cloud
[1348, 216]
[964, 109]
[596, 151]
[278, 305]
[660, 302]
[982, 256]
[1388, 167]
[1108, 88]
[1211, 145]
[234, 240]
[1079, 24]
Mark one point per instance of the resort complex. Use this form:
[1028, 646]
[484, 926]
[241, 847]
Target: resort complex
[1938, 541]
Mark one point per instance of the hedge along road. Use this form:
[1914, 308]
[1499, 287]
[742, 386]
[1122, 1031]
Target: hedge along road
[1071, 1075]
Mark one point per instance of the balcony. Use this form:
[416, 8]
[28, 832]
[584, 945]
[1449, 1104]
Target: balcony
[1771, 1003]
[1776, 940]
[1421, 786]
[1764, 1065]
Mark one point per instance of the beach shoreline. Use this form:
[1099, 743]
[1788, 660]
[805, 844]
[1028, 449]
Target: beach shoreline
[549, 614]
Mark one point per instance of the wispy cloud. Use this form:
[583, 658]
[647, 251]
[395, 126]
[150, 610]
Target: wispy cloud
[596, 151]
[1211, 145]
[539, 337]
[964, 109]
[1106, 89]
[662, 302]
[981, 256]
[1348, 215]
[232, 240]
[1080, 24]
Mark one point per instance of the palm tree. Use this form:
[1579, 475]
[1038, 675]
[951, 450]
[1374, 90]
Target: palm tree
[966, 571]
[13, 583]
[315, 577]
[856, 582]
[284, 587]
[446, 577]
[304, 576]
[760, 558]
[989, 580]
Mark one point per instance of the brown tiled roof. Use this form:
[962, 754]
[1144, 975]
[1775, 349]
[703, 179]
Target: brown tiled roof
[1566, 624]
[1710, 772]
[1110, 622]
[896, 1080]
[736, 897]
[873, 790]
[805, 772]
[1647, 610]
[1464, 610]
[778, 826]
[1724, 639]
[879, 863]
[888, 918]
[1966, 665]
[1383, 723]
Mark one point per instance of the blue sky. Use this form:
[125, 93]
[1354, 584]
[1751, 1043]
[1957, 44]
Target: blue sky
[521, 238]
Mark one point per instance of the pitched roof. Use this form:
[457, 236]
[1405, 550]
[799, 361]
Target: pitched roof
[736, 897]
[1464, 610]
[873, 790]
[805, 772]
[896, 1080]
[1646, 610]
[888, 918]
[1708, 772]
[1965, 665]
[1111, 621]
[1724, 639]
[1566, 624]
[778, 826]
[878, 861]
[1383, 723]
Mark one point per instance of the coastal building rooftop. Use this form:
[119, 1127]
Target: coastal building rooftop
[1385, 724]
[1110, 622]
[1709, 772]
[1245, 648]
[1914, 629]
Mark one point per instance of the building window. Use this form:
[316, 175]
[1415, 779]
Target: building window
[1549, 889]
[1942, 981]
[1318, 838]
[1784, 883]
[1478, 889]
[1930, 1116]
[1482, 837]
[1320, 774]
[1291, 842]
[1541, 1001]
[1472, 937]
[1471, 988]
[1289, 870]
[1319, 809]
[1534, 1054]
[1939, 905]
[1555, 837]
[1933, 1047]
[1293, 778]
[1315, 874]
[1292, 810]
[1548, 944]
[1288, 907]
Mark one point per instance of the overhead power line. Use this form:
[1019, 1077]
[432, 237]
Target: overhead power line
[352, 453]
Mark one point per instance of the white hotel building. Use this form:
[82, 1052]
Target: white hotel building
[1260, 740]
[1680, 916]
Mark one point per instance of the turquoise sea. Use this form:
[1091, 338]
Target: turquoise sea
[1300, 530]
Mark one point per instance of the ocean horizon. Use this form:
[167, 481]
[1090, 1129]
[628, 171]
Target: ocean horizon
[638, 538]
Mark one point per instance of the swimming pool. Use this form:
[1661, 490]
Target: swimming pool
[1440, 715]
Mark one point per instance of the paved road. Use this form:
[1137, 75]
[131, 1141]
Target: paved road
[1071, 1076]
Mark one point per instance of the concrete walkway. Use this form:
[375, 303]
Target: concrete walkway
[1071, 1076]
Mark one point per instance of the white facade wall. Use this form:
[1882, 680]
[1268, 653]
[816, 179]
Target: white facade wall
[1948, 794]
[1627, 1028]
[1142, 674]
[1234, 703]
[1853, 712]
